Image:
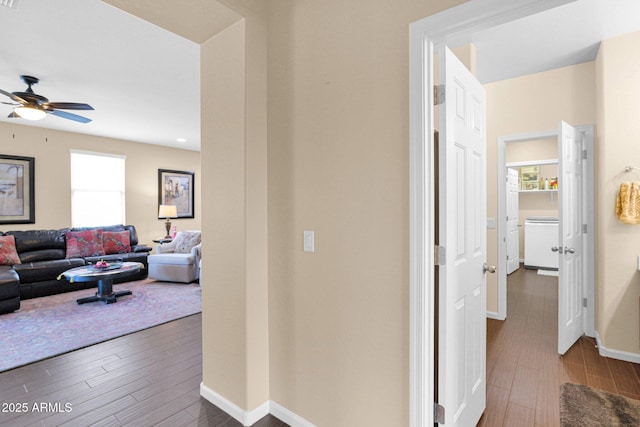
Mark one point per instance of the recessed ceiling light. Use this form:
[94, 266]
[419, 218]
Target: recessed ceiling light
[181, 140]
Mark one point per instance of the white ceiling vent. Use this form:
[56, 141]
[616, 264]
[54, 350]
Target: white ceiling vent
[11, 4]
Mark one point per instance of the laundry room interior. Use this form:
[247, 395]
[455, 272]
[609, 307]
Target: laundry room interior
[536, 163]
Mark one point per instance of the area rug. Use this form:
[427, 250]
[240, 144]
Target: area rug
[56, 324]
[548, 272]
[583, 406]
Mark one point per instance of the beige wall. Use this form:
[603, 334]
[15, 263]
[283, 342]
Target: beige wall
[529, 104]
[617, 244]
[51, 150]
[337, 164]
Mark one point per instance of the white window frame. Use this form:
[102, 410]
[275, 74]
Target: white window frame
[122, 191]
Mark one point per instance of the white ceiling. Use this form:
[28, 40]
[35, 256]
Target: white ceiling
[559, 37]
[144, 81]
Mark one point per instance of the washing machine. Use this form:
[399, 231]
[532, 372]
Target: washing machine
[541, 233]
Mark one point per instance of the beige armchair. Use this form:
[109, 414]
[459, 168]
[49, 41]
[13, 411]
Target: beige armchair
[177, 261]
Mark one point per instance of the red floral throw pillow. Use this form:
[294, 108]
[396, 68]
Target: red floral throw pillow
[116, 242]
[84, 243]
[8, 253]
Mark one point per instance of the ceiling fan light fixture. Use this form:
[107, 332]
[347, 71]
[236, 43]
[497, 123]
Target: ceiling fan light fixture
[29, 113]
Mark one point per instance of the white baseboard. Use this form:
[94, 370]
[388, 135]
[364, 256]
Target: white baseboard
[283, 414]
[616, 354]
[248, 418]
[494, 315]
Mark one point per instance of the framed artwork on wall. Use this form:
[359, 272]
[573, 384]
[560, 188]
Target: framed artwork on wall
[17, 190]
[176, 188]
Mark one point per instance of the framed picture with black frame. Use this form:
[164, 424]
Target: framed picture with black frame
[176, 188]
[17, 190]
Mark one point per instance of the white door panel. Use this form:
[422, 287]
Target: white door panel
[570, 250]
[513, 232]
[462, 229]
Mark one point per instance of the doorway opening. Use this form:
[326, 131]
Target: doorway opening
[586, 208]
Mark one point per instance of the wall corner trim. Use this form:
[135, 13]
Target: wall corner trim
[616, 354]
[248, 418]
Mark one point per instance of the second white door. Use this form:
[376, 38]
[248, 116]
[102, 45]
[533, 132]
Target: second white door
[513, 231]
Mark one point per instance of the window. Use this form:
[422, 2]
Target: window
[97, 189]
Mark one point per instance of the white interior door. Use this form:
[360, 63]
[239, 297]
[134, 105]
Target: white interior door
[513, 232]
[462, 230]
[570, 251]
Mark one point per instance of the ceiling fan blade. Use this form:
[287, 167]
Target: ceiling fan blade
[10, 103]
[66, 106]
[14, 97]
[69, 116]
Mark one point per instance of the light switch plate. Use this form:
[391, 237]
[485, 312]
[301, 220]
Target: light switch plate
[309, 241]
[491, 223]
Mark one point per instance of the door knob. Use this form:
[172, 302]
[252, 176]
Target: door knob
[556, 249]
[488, 268]
[569, 250]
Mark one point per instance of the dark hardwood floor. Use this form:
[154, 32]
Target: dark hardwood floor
[524, 370]
[149, 378]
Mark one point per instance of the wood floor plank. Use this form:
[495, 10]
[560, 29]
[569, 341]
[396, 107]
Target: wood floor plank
[497, 402]
[94, 399]
[624, 376]
[524, 388]
[153, 414]
[180, 419]
[519, 416]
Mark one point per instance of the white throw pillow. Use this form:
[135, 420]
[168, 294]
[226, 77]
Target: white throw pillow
[185, 241]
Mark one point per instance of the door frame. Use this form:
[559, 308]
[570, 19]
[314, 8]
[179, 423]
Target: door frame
[588, 209]
[452, 26]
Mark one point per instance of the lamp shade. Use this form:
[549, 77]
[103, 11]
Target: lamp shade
[167, 211]
[30, 113]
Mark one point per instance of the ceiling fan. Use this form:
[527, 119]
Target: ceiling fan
[32, 106]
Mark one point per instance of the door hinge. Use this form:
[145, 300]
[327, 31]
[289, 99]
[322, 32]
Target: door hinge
[584, 302]
[584, 154]
[584, 228]
[438, 413]
[438, 95]
[440, 255]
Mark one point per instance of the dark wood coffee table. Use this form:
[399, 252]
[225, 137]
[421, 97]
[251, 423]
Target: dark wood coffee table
[104, 278]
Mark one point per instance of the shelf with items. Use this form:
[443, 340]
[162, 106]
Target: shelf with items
[550, 192]
[555, 190]
[532, 163]
[537, 176]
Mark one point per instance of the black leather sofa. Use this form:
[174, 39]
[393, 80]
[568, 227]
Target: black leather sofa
[43, 258]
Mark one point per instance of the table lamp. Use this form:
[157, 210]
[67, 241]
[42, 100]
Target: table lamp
[168, 211]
